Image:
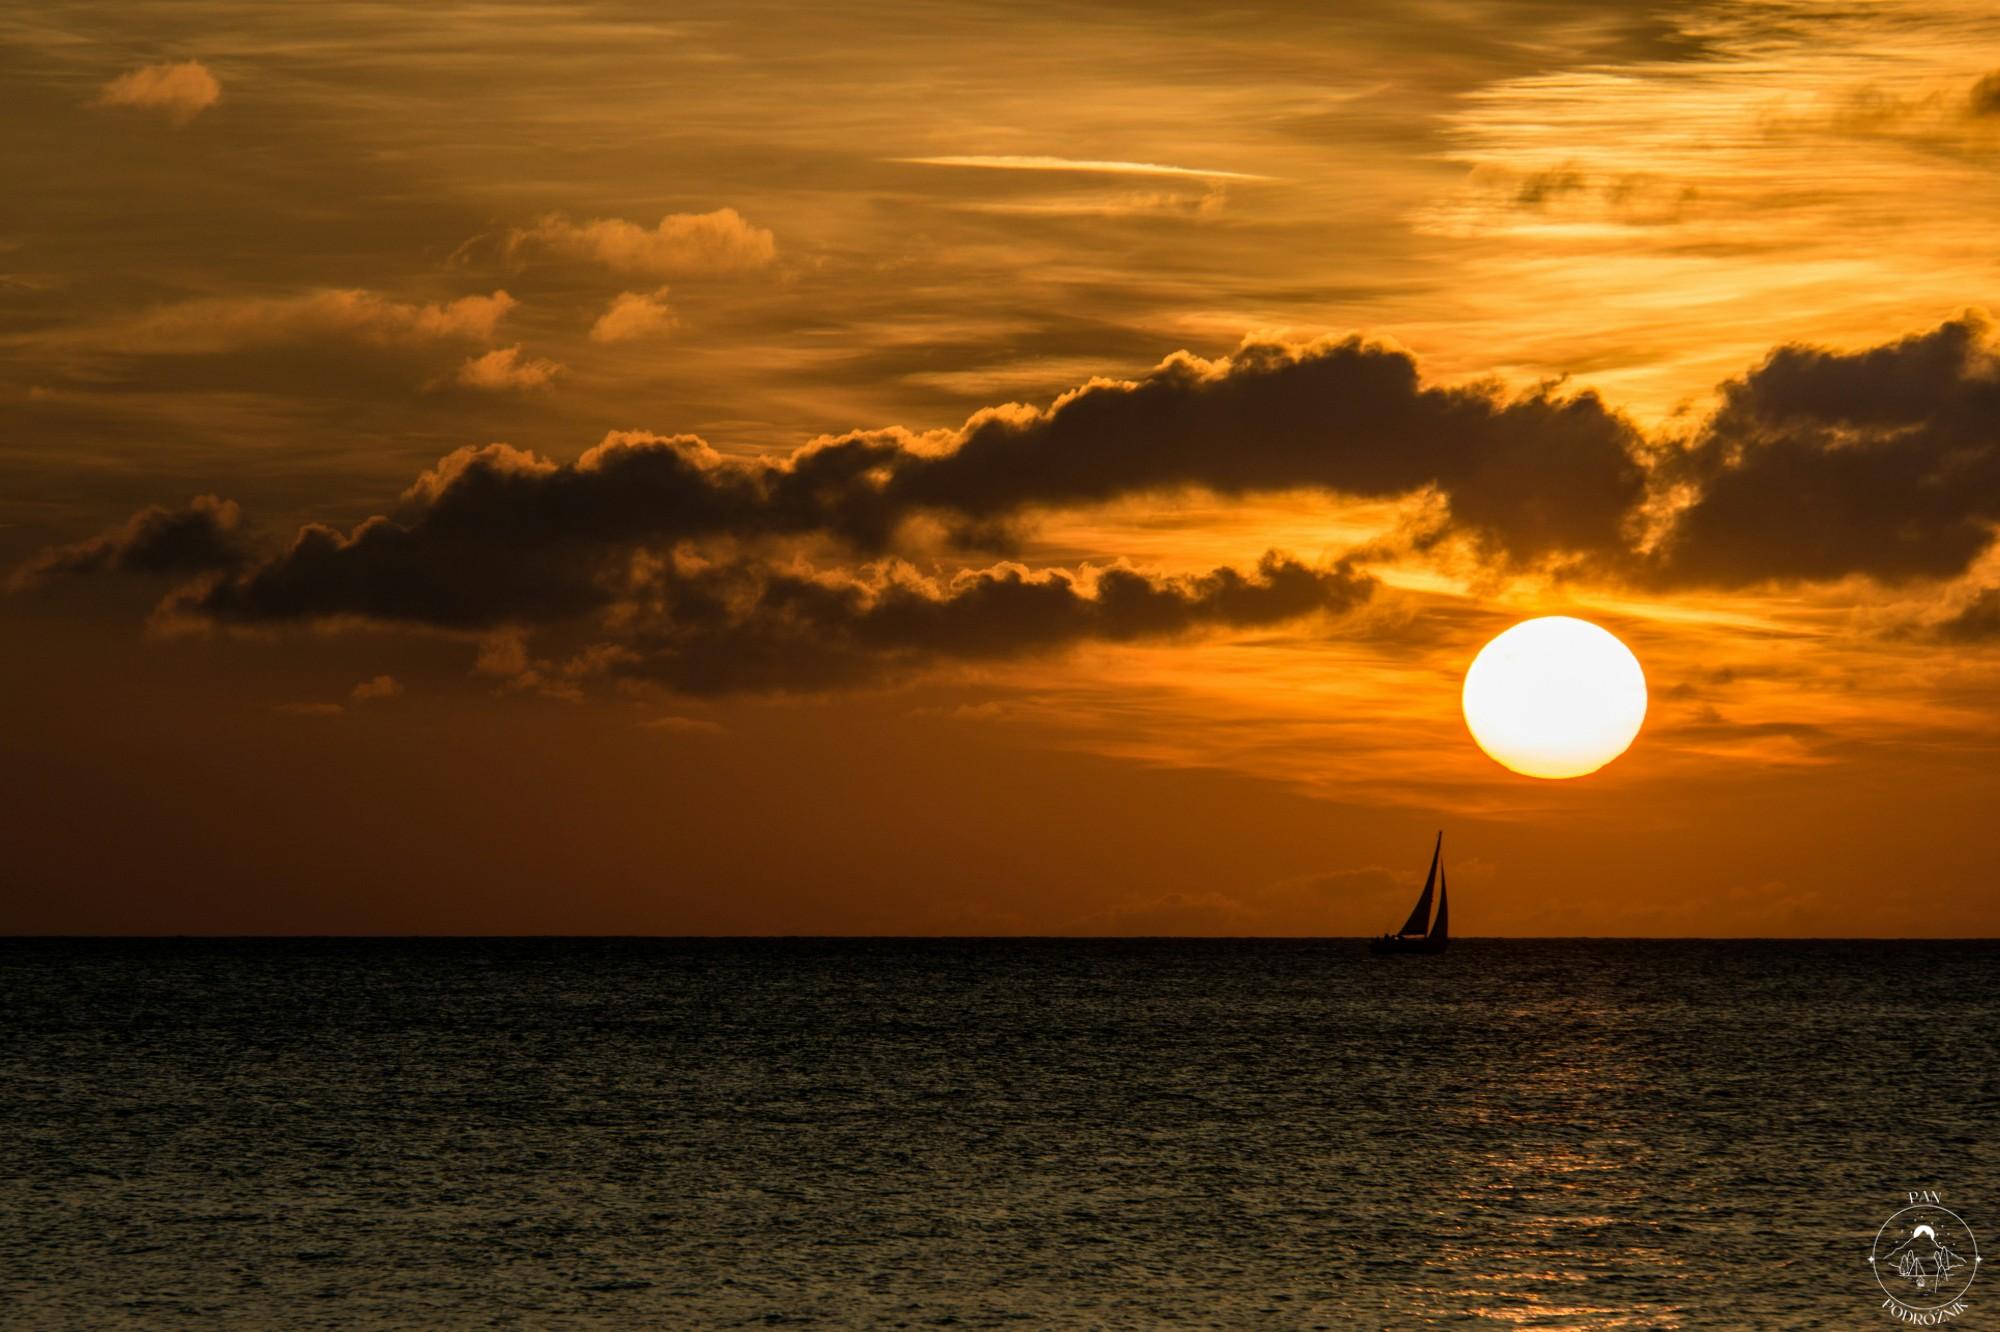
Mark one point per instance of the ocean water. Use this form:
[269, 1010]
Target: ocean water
[884, 1133]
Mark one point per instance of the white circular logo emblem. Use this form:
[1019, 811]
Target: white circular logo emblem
[1924, 1259]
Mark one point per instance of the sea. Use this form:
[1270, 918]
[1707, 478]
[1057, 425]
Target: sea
[891, 1133]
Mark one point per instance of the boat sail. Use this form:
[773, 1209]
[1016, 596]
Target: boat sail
[1421, 934]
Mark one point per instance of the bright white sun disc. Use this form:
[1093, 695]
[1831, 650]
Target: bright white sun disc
[1555, 697]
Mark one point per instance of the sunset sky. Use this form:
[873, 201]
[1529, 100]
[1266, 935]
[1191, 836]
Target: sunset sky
[991, 469]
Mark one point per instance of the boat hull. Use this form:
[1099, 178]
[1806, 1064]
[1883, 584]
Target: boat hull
[1420, 944]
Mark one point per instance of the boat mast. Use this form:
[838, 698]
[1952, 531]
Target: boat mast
[1441, 931]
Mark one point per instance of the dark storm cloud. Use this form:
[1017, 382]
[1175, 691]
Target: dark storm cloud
[1985, 96]
[195, 539]
[497, 536]
[745, 627]
[1978, 621]
[381, 571]
[1529, 477]
[494, 535]
[1821, 464]
[1816, 465]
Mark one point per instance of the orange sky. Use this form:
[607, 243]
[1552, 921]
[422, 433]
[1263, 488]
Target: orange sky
[527, 471]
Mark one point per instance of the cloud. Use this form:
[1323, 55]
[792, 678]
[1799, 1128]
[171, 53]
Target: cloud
[1095, 167]
[1985, 97]
[179, 90]
[1977, 621]
[1820, 464]
[1210, 203]
[211, 325]
[201, 537]
[503, 369]
[749, 627]
[1817, 465]
[381, 687]
[718, 242]
[633, 314]
[1527, 477]
[495, 535]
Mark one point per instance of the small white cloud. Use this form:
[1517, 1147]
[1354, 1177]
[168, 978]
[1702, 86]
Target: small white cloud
[633, 314]
[504, 368]
[718, 242]
[1210, 203]
[382, 686]
[180, 90]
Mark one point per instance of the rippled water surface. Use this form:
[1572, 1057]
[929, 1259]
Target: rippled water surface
[916, 1133]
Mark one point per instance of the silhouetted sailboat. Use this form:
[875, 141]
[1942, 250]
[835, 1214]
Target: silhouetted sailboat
[1414, 937]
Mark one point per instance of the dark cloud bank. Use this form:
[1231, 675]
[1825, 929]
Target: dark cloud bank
[154, 540]
[724, 629]
[1817, 465]
[1884, 462]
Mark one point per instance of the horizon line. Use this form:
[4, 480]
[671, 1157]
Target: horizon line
[138, 937]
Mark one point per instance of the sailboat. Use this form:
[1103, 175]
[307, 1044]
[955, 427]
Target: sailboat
[1414, 937]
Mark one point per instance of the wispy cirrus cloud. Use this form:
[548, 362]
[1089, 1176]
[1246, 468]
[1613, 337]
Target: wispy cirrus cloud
[1207, 204]
[1095, 166]
[209, 325]
[1650, 221]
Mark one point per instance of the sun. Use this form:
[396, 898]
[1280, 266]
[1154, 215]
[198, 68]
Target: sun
[1555, 697]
